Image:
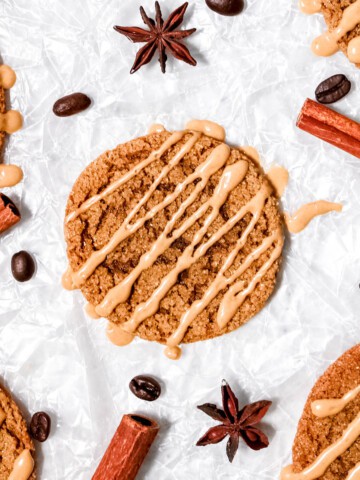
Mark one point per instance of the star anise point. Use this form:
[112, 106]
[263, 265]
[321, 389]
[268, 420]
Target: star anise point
[162, 35]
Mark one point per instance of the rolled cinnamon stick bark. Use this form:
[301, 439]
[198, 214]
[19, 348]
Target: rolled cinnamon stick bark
[330, 126]
[9, 214]
[128, 449]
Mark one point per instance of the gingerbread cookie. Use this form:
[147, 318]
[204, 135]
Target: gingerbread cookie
[342, 18]
[327, 443]
[10, 122]
[174, 237]
[16, 448]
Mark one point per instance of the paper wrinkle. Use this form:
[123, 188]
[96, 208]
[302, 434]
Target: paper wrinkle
[254, 73]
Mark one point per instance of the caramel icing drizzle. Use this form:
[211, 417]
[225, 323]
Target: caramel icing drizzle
[354, 474]
[117, 335]
[308, 212]
[328, 407]
[7, 77]
[23, 466]
[310, 6]
[10, 175]
[327, 43]
[10, 122]
[238, 290]
[324, 408]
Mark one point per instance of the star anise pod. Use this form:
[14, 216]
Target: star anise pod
[162, 36]
[235, 423]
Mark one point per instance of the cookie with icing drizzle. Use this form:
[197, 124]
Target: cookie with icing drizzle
[174, 237]
[10, 122]
[342, 19]
[17, 451]
[327, 443]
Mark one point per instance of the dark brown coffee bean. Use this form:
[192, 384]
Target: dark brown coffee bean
[145, 388]
[40, 426]
[22, 266]
[226, 7]
[71, 104]
[333, 89]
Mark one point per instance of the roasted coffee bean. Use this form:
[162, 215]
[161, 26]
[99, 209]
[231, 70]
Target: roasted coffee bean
[22, 266]
[333, 89]
[40, 426]
[226, 7]
[71, 104]
[145, 388]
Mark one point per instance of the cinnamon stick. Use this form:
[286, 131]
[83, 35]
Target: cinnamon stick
[330, 126]
[128, 449]
[9, 214]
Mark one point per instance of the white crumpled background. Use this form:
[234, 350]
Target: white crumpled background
[254, 72]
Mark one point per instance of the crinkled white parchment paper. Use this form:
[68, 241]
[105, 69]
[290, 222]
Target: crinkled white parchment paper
[254, 72]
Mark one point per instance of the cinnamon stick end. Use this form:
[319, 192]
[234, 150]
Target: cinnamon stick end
[9, 213]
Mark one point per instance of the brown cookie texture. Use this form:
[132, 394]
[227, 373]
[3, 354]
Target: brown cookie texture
[315, 434]
[93, 229]
[333, 13]
[14, 437]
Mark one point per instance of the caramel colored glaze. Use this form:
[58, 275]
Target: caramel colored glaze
[310, 6]
[11, 121]
[325, 459]
[353, 50]
[117, 335]
[231, 177]
[252, 153]
[308, 212]
[171, 141]
[10, 175]
[7, 77]
[23, 466]
[91, 312]
[127, 228]
[327, 43]
[354, 474]
[173, 353]
[66, 280]
[2, 416]
[279, 178]
[156, 128]
[332, 406]
[208, 128]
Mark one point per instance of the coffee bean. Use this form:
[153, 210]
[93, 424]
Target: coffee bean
[333, 89]
[145, 388]
[40, 426]
[22, 266]
[71, 104]
[226, 7]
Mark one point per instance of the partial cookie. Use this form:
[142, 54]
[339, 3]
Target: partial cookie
[331, 416]
[199, 255]
[337, 14]
[17, 451]
[343, 21]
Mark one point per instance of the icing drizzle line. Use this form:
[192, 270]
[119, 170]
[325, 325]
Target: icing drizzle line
[308, 212]
[10, 122]
[328, 407]
[23, 466]
[232, 176]
[324, 408]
